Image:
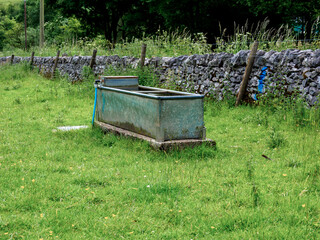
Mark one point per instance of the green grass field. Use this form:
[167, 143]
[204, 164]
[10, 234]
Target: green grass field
[87, 185]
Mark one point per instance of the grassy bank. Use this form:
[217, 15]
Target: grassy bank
[86, 185]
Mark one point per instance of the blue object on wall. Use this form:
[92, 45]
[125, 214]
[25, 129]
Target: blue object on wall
[261, 84]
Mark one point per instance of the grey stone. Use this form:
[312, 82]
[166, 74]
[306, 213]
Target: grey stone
[313, 91]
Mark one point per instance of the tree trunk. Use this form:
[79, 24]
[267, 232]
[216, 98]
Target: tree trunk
[107, 32]
[308, 27]
[114, 28]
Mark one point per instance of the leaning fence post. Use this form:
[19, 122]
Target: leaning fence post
[11, 60]
[247, 72]
[143, 54]
[93, 58]
[55, 64]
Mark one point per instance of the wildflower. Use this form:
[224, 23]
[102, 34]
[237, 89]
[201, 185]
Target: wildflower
[113, 215]
[284, 174]
[303, 205]
[33, 180]
[22, 179]
[22, 187]
[41, 215]
[144, 176]
[180, 210]
[212, 227]
[72, 225]
[130, 232]
[148, 186]
[105, 217]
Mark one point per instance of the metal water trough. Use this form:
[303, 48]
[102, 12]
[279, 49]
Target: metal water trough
[163, 117]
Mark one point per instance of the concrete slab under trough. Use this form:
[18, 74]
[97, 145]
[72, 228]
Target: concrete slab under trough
[166, 145]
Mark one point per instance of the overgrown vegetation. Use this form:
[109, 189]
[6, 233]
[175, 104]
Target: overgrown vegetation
[262, 181]
[269, 38]
[119, 27]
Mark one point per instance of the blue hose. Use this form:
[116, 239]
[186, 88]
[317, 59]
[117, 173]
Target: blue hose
[95, 104]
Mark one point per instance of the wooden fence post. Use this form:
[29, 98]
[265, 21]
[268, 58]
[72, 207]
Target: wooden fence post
[55, 64]
[143, 54]
[245, 79]
[11, 60]
[93, 58]
[31, 60]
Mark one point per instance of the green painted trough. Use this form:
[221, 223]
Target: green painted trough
[157, 115]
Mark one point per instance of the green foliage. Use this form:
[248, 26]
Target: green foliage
[276, 140]
[9, 30]
[165, 43]
[269, 38]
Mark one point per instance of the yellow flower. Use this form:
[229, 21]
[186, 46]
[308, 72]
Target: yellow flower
[72, 225]
[22, 187]
[33, 180]
[130, 232]
[113, 215]
[212, 227]
[105, 217]
[284, 174]
[180, 210]
[22, 179]
[303, 205]
[41, 215]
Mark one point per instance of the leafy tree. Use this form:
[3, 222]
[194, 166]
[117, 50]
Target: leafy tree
[9, 30]
[294, 12]
[99, 16]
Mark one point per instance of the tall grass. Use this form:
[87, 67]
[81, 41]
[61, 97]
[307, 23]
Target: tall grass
[176, 43]
[162, 44]
[278, 39]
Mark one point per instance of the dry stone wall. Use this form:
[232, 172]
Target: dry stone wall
[210, 74]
